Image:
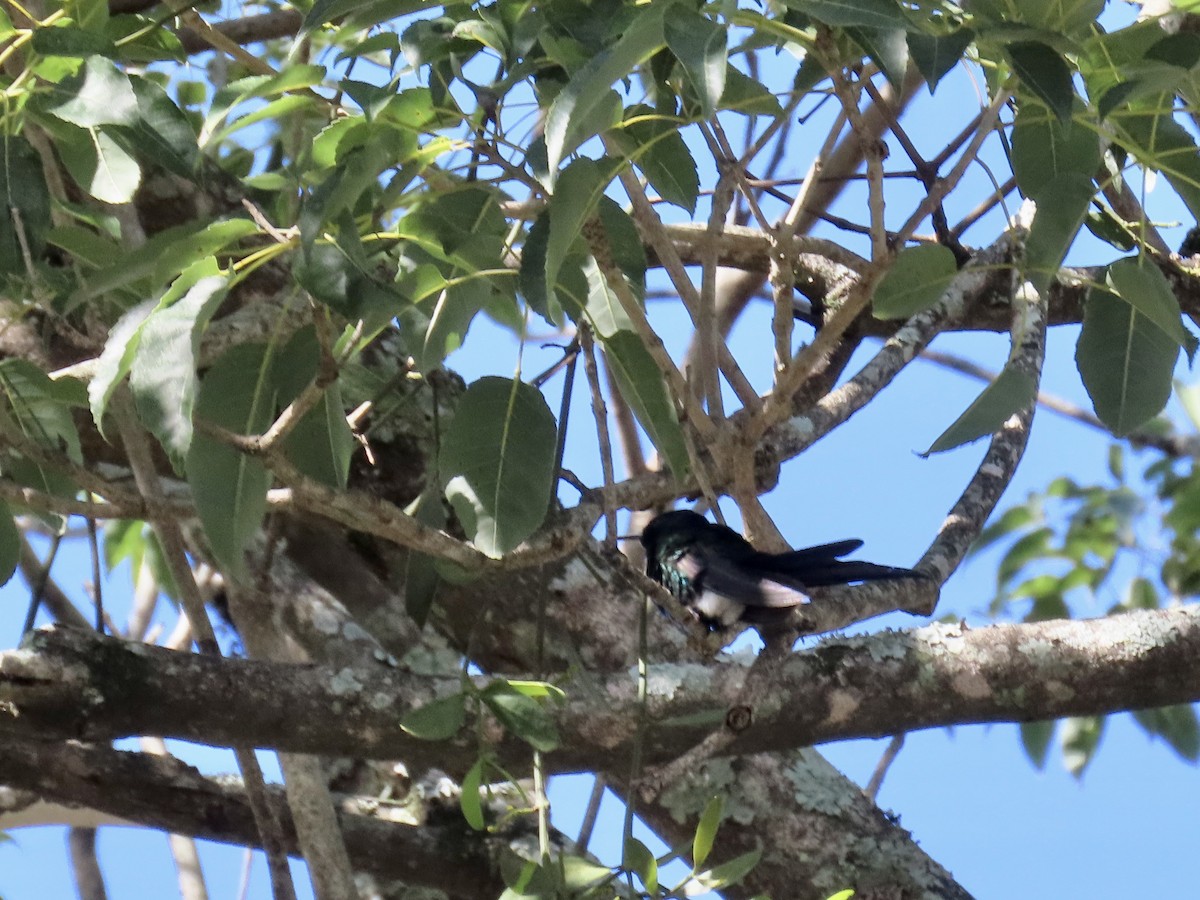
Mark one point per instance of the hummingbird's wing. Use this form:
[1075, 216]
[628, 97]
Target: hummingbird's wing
[820, 566]
[713, 573]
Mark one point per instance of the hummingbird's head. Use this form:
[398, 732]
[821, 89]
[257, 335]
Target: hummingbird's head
[681, 522]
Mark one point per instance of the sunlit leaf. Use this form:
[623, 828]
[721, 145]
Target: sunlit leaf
[706, 831]
[640, 861]
[163, 372]
[731, 872]
[522, 715]
[1080, 738]
[100, 94]
[469, 798]
[572, 115]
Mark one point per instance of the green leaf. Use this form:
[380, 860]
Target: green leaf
[574, 200]
[116, 358]
[1011, 392]
[916, 281]
[639, 860]
[162, 133]
[1161, 143]
[886, 47]
[1141, 284]
[157, 262]
[163, 372]
[747, 95]
[525, 717]
[706, 831]
[420, 575]
[98, 163]
[453, 311]
[10, 544]
[1080, 738]
[70, 40]
[870, 13]
[1035, 739]
[273, 111]
[642, 386]
[657, 148]
[1044, 71]
[497, 462]
[699, 44]
[1176, 725]
[1125, 360]
[99, 94]
[41, 406]
[578, 874]
[1013, 520]
[1034, 545]
[536, 689]
[25, 201]
[230, 487]
[469, 799]
[935, 55]
[255, 87]
[321, 443]
[1045, 151]
[842, 895]
[731, 872]
[531, 279]
[573, 114]
[438, 720]
[1104, 224]
[1061, 206]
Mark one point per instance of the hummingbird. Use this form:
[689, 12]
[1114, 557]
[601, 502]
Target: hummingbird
[722, 579]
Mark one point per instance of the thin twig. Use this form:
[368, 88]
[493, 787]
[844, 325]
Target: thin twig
[38, 585]
[885, 761]
[89, 881]
[600, 413]
[654, 232]
[590, 812]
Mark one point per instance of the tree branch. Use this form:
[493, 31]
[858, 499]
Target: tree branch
[160, 792]
[70, 684]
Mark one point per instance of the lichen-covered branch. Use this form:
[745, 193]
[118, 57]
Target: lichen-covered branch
[159, 792]
[66, 683]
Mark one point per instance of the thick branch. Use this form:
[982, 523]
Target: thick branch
[67, 683]
[160, 792]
